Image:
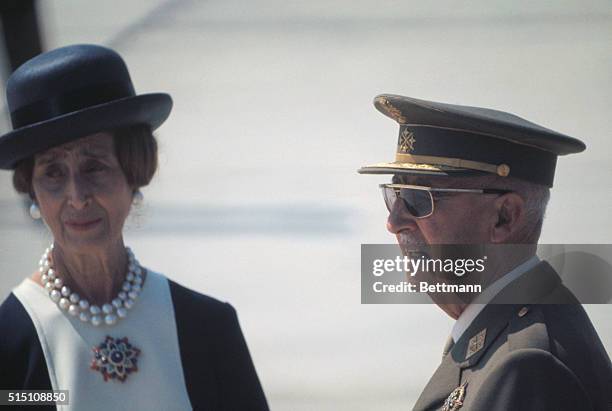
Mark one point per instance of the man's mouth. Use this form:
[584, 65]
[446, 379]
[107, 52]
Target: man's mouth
[412, 246]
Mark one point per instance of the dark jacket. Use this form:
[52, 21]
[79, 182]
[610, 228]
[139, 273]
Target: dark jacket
[540, 356]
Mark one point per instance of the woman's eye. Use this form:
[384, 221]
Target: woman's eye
[94, 168]
[53, 172]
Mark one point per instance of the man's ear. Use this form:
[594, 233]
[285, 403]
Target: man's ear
[510, 213]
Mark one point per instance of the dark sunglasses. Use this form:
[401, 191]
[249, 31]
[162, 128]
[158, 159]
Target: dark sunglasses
[419, 200]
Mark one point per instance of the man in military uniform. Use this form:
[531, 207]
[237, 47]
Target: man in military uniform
[467, 175]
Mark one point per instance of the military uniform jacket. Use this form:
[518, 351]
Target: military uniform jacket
[540, 356]
[201, 359]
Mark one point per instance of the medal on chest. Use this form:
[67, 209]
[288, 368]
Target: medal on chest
[455, 400]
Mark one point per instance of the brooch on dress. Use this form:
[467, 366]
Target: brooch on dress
[115, 358]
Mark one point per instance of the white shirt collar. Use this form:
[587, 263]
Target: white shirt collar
[471, 311]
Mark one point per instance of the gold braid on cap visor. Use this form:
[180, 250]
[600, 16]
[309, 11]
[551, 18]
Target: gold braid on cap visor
[501, 170]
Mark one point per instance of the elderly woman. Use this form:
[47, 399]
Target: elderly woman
[92, 319]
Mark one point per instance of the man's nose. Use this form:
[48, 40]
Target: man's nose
[79, 191]
[400, 218]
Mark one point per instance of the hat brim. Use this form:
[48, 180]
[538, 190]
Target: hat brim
[147, 109]
[397, 167]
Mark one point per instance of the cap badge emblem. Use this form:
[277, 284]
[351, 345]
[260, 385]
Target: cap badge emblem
[455, 399]
[406, 141]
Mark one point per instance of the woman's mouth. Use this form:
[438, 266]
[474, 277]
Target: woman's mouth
[82, 225]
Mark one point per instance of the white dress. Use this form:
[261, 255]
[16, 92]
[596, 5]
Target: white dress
[158, 383]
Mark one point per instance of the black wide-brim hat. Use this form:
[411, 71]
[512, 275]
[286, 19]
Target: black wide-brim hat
[69, 93]
[452, 140]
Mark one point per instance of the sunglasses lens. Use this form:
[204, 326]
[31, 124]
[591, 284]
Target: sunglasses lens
[389, 197]
[418, 202]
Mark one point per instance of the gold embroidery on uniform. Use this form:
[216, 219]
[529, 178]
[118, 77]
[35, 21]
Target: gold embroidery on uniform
[476, 343]
[391, 111]
[451, 162]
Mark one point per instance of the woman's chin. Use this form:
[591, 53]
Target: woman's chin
[84, 240]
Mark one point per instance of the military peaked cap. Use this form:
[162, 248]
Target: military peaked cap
[446, 139]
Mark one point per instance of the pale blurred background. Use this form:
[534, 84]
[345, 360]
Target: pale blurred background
[257, 201]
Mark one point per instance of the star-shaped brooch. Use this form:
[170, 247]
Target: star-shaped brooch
[115, 358]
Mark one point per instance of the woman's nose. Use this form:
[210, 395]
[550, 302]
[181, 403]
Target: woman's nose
[400, 218]
[79, 191]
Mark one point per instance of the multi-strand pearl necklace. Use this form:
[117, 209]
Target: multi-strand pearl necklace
[76, 306]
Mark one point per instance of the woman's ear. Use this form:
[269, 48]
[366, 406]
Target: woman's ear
[510, 212]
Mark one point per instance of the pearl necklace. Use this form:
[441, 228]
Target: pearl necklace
[71, 302]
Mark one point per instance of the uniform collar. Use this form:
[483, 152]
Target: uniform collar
[541, 284]
[471, 311]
